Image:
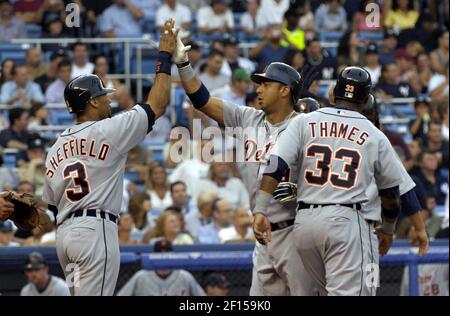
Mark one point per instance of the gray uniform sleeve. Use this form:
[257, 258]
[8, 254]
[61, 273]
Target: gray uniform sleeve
[128, 288]
[407, 183]
[128, 129]
[47, 195]
[289, 144]
[387, 166]
[236, 115]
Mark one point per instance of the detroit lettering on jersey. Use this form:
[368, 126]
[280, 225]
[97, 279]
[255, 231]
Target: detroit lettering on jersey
[331, 129]
[253, 153]
[76, 148]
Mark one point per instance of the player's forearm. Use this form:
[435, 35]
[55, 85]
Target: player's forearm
[417, 221]
[159, 95]
[264, 195]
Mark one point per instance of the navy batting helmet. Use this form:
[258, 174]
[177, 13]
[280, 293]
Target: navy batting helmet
[282, 73]
[306, 105]
[82, 89]
[353, 85]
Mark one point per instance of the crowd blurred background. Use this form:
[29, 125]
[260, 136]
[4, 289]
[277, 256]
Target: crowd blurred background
[405, 48]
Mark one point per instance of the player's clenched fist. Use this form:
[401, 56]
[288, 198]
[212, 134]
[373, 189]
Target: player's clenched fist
[6, 208]
[168, 40]
[261, 228]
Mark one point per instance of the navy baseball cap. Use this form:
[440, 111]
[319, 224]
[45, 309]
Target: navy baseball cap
[372, 48]
[6, 227]
[163, 246]
[35, 261]
[217, 280]
[36, 142]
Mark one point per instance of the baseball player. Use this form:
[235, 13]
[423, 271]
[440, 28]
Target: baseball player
[337, 153]
[40, 282]
[84, 173]
[162, 282]
[277, 269]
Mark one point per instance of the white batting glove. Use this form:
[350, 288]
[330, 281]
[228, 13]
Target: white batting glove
[285, 192]
[180, 55]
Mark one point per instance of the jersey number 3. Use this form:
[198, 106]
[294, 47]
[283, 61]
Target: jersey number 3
[77, 171]
[323, 164]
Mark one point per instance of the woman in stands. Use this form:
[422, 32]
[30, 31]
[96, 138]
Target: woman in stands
[168, 226]
[158, 188]
[101, 69]
[348, 50]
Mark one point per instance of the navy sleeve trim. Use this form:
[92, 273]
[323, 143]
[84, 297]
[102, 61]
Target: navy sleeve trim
[277, 168]
[410, 203]
[150, 115]
[393, 192]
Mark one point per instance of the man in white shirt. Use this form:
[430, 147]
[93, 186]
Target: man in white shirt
[373, 62]
[272, 11]
[216, 18]
[7, 234]
[233, 60]
[121, 19]
[179, 12]
[241, 230]
[148, 7]
[81, 64]
[236, 91]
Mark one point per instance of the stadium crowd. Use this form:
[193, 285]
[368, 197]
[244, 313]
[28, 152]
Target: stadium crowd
[193, 201]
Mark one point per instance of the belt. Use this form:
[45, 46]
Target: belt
[301, 205]
[282, 225]
[93, 213]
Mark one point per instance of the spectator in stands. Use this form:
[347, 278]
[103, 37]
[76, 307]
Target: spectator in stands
[34, 170]
[10, 26]
[294, 36]
[419, 127]
[180, 215]
[179, 147]
[8, 180]
[21, 92]
[438, 87]
[157, 186]
[6, 71]
[269, 48]
[203, 215]
[25, 187]
[222, 212]
[81, 64]
[125, 226]
[121, 19]
[101, 69]
[232, 59]
[323, 62]
[221, 180]
[137, 161]
[237, 89]
[168, 226]
[54, 29]
[52, 70]
[401, 16]
[423, 32]
[360, 18]
[443, 111]
[241, 230]
[330, 16]
[212, 75]
[162, 282]
[148, 7]
[39, 116]
[295, 58]
[372, 64]
[423, 74]
[180, 198]
[439, 57]
[216, 284]
[6, 234]
[139, 206]
[390, 85]
[405, 62]
[435, 143]
[179, 12]
[55, 91]
[414, 48]
[272, 11]
[30, 11]
[34, 63]
[215, 19]
[387, 55]
[306, 22]
[40, 282]
[435, 184]
[252, 21]
[16, 135]
[54, 10]
[348, 50]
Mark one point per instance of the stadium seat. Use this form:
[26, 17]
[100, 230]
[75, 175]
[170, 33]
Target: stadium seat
[9, 161]
[17, 56]
[34, 30]
[61, 117]
[328, 37]
[371, 36]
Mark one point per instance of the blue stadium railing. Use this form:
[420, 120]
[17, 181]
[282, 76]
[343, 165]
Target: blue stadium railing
[229, 257]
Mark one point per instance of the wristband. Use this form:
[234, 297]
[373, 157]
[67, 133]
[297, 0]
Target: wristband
[164, 63]
[262, 202]
[199, 98]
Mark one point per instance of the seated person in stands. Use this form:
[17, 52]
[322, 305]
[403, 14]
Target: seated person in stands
[241, 230]
[33, 170]
[10, 26]
[125, 226]
[158, 187]
[169, 227]
[177, 11]
[216, 284]
[17, 135]
[21, 92]
[30, 11]
[162, 282]
[139, 206]
[390, 85]
[52, 71]
[180, 198]
[34, 63]
[222, 212]
[39, 116]
[55, 91]
[121, 19]
[7, 234]
[203, 215]
[324, 63]
[330, 16]
[216, 18]
[436, 143]
[81, 64]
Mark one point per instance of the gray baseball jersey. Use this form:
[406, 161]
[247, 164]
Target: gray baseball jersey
[148, 283]
[56, 287]
[279, 271]
[338, 153]
[84, 171]
[372, 209]
[258, 138]
[85, 166]
[433, 280]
